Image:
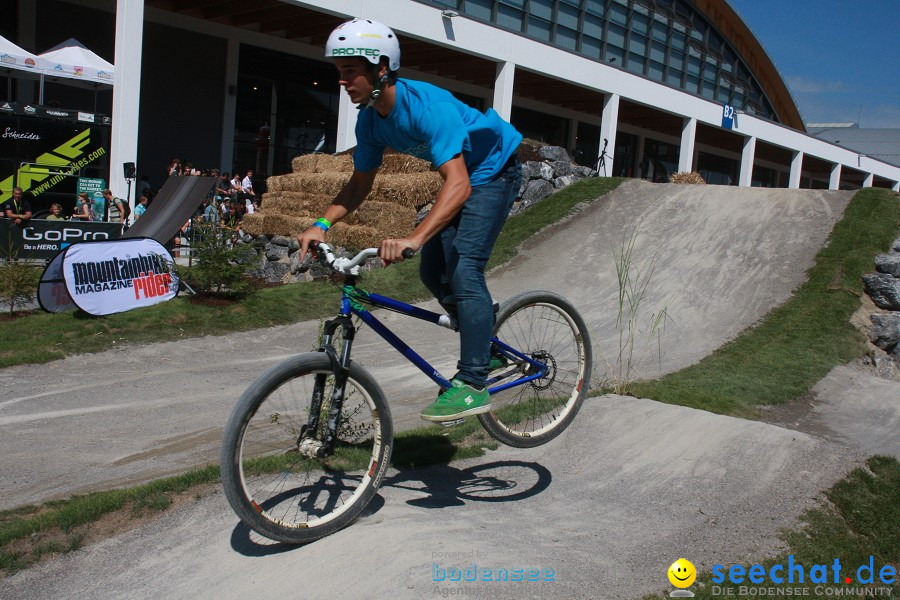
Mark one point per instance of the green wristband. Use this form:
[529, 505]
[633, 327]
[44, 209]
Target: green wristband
[323, 223]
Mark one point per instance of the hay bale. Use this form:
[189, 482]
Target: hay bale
[278, 224]
[684, 177]
[298, 203]
[354, 237]
[385, 216]
[254, 224]
[273, 183]
[413, 190]
[322, 163]
[403, 163]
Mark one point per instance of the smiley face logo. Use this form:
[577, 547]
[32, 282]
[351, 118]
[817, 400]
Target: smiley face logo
[682, 573]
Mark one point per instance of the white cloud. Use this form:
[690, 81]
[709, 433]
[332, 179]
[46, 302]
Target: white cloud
[804, 85]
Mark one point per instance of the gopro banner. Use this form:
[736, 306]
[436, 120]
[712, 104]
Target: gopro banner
[118, 275]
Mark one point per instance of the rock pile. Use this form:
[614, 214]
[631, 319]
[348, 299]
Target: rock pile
[883, 287]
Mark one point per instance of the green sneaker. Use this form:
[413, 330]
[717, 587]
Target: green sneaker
[497, 362]
[459, 401]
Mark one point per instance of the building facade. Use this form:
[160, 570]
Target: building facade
[659, 86]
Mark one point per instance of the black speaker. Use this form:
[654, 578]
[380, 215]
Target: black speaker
[129, 170]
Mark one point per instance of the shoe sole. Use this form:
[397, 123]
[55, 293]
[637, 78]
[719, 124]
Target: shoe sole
[472, 411]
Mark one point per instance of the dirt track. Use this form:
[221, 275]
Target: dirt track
[630, 488]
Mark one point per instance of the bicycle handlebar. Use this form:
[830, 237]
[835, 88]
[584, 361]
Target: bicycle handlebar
[349, 266]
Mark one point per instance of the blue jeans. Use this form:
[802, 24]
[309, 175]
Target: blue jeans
[453, 265]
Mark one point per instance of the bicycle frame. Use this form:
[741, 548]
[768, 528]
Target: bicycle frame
[354, 297]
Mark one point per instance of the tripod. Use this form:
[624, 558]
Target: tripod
[601, 160]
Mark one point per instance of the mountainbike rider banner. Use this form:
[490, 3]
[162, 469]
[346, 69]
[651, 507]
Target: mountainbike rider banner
[475, 155]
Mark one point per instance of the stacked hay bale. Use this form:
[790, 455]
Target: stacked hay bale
[403, 186]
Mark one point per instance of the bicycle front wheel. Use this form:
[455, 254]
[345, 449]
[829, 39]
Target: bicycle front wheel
[545, 327]
[272, 484]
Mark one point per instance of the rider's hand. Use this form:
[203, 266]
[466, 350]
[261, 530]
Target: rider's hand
[313, 234]
[391, 251]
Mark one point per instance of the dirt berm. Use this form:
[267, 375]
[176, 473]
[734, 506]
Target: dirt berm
[629, 488]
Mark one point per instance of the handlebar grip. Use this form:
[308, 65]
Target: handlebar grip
[408, 253]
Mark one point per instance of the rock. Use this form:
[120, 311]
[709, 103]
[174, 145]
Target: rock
[275, 253]
[885, 330]
[281, 240]
[532, 169]
[896, 245]
[554, 153]
[565, 180]
[884, 290]
[561, 168]
[888, 263]
[537, 190]
[582, 171]
[275, 271]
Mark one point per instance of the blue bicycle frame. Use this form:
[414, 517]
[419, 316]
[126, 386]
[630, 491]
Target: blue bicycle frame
[351, 303]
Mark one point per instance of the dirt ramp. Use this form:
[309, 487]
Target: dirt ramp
[722, 258]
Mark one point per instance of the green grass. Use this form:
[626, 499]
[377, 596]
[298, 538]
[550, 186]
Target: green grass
[860, 520]
[799, 342]
[44, 337]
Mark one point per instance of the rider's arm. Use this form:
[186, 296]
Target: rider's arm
[449, 202]
[347, 200]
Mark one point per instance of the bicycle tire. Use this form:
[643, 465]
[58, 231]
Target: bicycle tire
[282, 494]
[546, 327]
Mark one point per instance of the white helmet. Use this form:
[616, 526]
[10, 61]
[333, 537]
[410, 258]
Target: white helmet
[368, 39]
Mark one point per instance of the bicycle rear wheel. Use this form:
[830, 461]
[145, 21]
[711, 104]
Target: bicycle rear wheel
[548, 329]
[271, 484]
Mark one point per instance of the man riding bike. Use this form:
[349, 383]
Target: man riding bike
[475, 154]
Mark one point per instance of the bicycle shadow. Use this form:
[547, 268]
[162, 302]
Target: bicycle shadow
[442, 486]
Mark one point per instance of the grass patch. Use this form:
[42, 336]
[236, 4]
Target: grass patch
[799, 342]
[44, 337]
[858, 521]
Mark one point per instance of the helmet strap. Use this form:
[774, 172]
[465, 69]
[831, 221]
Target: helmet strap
[380, 83]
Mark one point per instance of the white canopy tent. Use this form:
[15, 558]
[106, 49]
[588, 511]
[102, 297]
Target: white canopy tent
[74, 62]
[23, 61]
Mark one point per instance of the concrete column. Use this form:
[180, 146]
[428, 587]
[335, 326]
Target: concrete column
[834, 182]
[503, 89]
[896, 186]
[346, 129]
[573, 136]
[126, 92]
[745, 179]
[229, 109]
[640, 157]
[869, 180]
[796, 167]
[688, 138]
[608, 127]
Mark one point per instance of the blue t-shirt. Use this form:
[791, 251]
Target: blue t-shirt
[430, 123]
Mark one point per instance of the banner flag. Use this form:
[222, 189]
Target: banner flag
[52, 293]
[106, 277]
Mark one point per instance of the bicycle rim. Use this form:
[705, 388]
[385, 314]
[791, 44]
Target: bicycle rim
[282, 493]
[547, 329]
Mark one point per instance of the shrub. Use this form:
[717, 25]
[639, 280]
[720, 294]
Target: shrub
[220, 266]
[18, 281]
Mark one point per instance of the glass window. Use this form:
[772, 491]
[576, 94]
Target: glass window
[615, 55]
[693, 66]
[618, 14]
[724, 93]
[660, 32]
[615, 36]
[691, 83]
[678, 40]
[638, 45]
[640, 24]
[539, 29]
[593, 26]
[514, 3]
[541, 8]
[635, 63]
[590, 46]
[676, 59]
[595, 7]
[566, 38]
[479, 9]
[510, 17]
[656, 70]
[658, 52]
[709, 90]
[567, 16]
[674, 76]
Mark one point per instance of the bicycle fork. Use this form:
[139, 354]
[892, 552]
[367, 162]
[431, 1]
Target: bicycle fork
[309, 444]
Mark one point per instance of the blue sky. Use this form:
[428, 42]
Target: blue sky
[835, 56]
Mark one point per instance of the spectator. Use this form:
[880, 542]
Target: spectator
[55, 213]
[17, 208]
[237, 190]
[117, 212]
[174, 168]
[141, 207]
[85, 210]
[144, 187]
[247, 183]
[210, 212]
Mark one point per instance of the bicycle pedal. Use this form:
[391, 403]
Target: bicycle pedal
[451, 423]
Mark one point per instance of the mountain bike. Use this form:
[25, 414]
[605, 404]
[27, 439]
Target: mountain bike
[310, 440]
